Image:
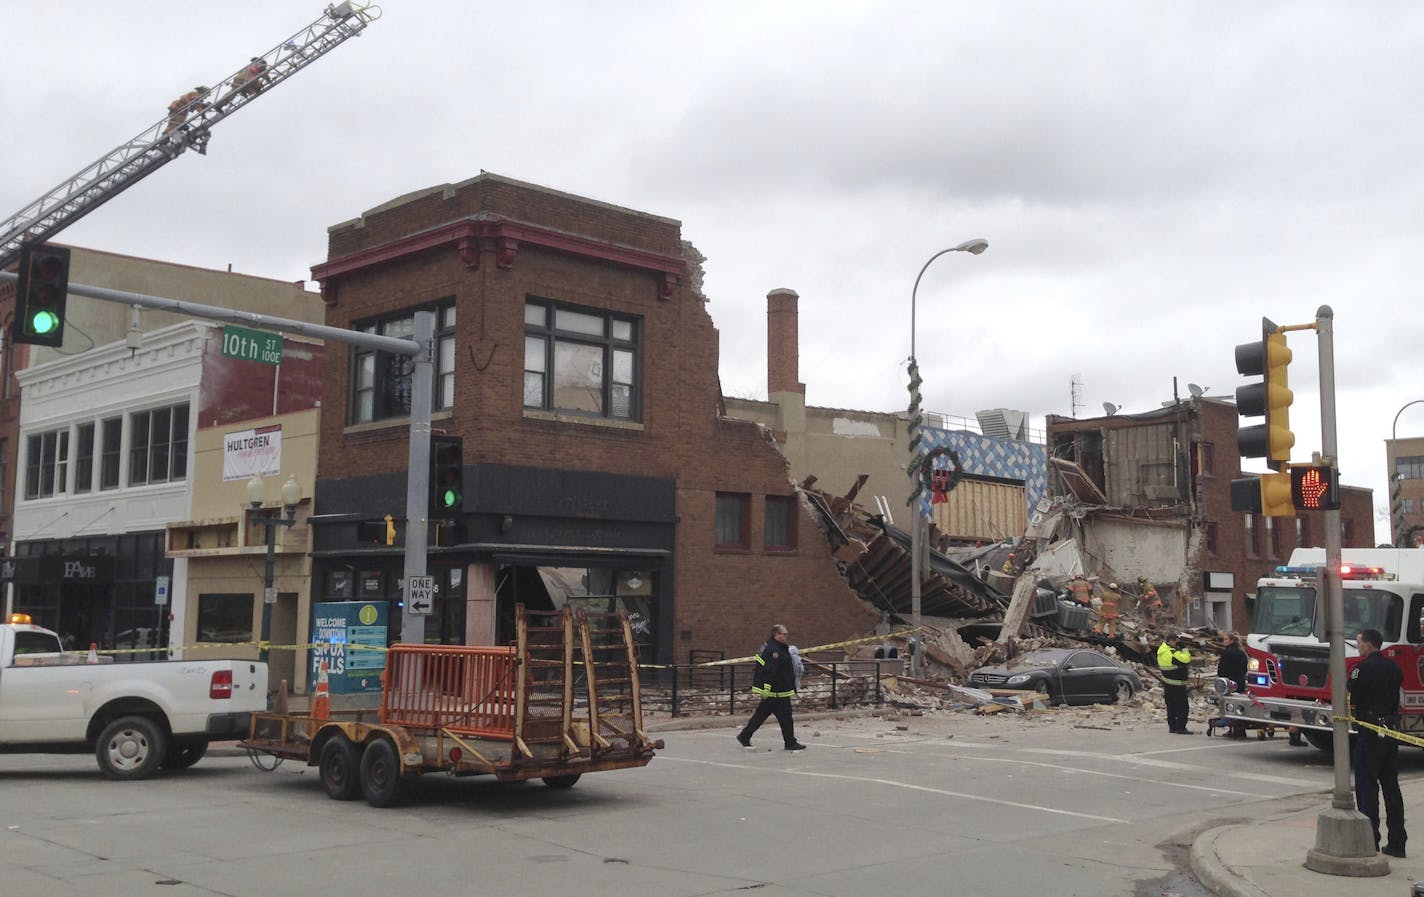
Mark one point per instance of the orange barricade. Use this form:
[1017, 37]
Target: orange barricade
[466, 689]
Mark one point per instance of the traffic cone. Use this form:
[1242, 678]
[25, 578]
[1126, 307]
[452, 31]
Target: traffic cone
[321, 701]
[93, 652]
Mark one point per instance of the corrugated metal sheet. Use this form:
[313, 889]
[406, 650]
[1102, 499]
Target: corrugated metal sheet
[1141, 465]
[982, 510]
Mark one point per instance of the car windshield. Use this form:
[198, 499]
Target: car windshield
[1373, 609]
[1284, 610]
[1037, 659]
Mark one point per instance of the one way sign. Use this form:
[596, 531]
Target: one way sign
[419, 594]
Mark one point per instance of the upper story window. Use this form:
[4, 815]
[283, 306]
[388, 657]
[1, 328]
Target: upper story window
[46, 463]
[1411, 467]
[158, 445]
[157, 452]
[779, 533]
[580, 360]
[380, 381]
[732, 520]
[1253, 536]
[1203, 459]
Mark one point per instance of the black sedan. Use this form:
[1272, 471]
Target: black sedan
[1066, 675]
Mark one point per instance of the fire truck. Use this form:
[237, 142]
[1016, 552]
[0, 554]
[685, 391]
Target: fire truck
[1288, 671]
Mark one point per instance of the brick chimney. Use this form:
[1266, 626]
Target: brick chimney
[782, 343]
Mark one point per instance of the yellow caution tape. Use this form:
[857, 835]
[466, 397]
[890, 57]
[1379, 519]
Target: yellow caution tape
[1387, 733]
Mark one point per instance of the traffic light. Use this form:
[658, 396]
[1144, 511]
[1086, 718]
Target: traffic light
[447, 476]
[40, 295]
[916, 430]
[1271, 398]
[1314, 488]
[1268, 494]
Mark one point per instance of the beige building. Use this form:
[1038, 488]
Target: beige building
[1404, 459]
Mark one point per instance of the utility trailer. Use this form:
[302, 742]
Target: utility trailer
[564, 700]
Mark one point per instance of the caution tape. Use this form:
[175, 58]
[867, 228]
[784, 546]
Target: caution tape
[1384, 731]
[803, 651]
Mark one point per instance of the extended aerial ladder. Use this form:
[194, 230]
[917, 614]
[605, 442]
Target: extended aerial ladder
[161, 143]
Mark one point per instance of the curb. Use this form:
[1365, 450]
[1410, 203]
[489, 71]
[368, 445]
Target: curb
[1215, 875]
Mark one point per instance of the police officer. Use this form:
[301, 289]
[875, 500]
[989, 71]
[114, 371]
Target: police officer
[1175, 664]
[774, 681]
[1374, 698]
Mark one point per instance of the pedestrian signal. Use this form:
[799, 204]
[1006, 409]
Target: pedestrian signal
[1314, 488]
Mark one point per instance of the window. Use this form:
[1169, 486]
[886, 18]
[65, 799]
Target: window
[380, 381]
[1211, 538]
[779, 534]
[1406, 505]
[46, 463]
[1302, 532]
[1253, 537]
[732, 520]
[1282, 536]
[579, 360]
[225, 618]
[112, 430]
[158, 445]
[84, 458]
[1203, 459]
[1411, 467]
[1347, 532]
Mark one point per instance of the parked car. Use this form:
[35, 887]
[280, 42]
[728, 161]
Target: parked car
[1064, 675]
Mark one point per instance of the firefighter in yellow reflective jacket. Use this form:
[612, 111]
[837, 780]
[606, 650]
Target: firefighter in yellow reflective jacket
[774, 681]
[1175, 664]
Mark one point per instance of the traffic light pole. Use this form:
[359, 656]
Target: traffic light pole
[1344, 840]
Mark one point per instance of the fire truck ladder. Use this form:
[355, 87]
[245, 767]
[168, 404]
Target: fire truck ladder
[161, 143]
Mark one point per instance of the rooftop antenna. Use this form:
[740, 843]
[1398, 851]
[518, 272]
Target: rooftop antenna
[1111, 409]
[1076, 398]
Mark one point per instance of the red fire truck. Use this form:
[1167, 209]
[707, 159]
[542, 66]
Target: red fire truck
[1288, 676]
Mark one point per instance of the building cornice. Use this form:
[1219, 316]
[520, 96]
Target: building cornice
[473, 236]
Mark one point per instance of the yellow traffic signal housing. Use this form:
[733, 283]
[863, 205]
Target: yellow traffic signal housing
[1268, 495]
[1271, 398]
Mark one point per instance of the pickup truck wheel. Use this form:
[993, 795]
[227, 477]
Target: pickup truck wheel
[183, 754]
[381, 779]
[340, 766]
[561, 781]
[131, 747]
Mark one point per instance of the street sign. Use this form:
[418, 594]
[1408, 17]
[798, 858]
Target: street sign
[420, 594]
[252, 345]
[160, 590]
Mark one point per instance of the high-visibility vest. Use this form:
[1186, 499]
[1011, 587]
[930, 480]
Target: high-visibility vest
[1081, 591]
[1174, 664]
[1109, 608]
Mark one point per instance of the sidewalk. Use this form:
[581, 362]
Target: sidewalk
[1267, 858]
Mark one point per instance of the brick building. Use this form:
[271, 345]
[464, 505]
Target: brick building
[1158, 490]
[578, 363]
[1404, 459]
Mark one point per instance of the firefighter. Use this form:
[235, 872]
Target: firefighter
[187, 105]
[1175, 664]
[1009, 567]
[1108, 611]
[1374, 698]
[1081, 591]
[250, 80]
[774, 681]
[1148, 602]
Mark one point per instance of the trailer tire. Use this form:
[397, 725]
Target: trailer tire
[183, 754]
[340, 767]
[381, 779]
[561, 782]
[131, 747]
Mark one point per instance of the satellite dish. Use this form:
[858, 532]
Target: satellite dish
[1111, 409]
[1197, 391]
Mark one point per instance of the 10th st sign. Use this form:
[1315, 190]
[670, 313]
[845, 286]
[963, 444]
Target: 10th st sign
[252, 345]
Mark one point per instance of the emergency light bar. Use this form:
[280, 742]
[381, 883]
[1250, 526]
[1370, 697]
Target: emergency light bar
[19, 619]
[1347, 571]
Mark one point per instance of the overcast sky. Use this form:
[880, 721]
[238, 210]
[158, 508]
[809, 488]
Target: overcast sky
[1152, 178]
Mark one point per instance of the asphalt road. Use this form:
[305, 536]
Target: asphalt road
[947, 805]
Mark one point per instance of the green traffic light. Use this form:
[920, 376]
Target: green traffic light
[43, 322]
[449, 498]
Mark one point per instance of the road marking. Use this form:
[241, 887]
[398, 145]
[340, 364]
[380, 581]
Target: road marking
[908, 786]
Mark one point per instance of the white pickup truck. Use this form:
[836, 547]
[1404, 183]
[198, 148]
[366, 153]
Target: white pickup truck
[136, 717]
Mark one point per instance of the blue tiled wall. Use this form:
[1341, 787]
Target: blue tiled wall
[1010, 459]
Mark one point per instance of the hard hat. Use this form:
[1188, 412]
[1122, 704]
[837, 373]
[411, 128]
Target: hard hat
[200, 88]
[1011, 554]
[1077, 576]
[1112, 585]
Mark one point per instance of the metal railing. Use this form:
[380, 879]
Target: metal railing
[467, 690]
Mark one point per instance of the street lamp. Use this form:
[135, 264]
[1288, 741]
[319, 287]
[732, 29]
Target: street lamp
[291, 495]
[1400, 532]
[973, 247]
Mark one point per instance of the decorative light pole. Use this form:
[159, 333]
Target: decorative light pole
[916, 440]
[270, 520]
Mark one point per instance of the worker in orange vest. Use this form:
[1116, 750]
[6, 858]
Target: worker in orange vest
[188, 104]
[1108, 612]
[1080, 590]
[250, 80]
[1148, 601]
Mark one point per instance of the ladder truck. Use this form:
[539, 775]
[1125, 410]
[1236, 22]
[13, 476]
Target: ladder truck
[161, 143]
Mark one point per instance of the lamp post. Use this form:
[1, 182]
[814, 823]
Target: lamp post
[974, 247]
[291, 495]
[1399, 528]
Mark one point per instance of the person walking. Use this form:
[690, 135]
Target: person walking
[1232, 666]
[774, 681]
[1175, 663]
[1374, 698]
